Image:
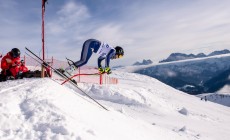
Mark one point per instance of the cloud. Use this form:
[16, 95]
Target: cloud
[152, 28]
[146, 29]
[168, 27]
[66, 28]
[68, 18]
[73, 25]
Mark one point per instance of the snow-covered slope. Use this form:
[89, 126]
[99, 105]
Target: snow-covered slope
[196, 76]
[220, 98]
[141, 108]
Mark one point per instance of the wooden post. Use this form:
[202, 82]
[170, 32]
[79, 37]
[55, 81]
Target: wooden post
[52, 62]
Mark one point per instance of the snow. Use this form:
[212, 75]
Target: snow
[222, 98]
[140, 108]
[225, 89]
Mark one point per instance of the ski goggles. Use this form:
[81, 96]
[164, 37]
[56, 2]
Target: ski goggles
[119, 56]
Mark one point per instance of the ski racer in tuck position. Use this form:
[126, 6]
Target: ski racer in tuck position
[104, 50]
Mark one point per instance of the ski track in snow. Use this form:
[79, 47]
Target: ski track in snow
[140, 108]
[31, 105]
[14, 86]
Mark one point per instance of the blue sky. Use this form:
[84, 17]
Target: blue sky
[146, 29]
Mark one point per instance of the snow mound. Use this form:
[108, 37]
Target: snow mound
[183, 111]
[43, 109]
[140, 108]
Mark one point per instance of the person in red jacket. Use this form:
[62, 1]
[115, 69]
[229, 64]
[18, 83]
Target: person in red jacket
[10, 64]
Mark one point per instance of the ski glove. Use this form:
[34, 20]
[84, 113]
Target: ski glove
[108, 70]
[101, 70]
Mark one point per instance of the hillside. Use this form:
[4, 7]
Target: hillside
[220, 98]
[140, 108]
[195, 76]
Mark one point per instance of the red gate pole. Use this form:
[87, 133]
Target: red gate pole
[100, 79]
[43, 37]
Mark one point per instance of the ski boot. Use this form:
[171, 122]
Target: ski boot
[68, 72]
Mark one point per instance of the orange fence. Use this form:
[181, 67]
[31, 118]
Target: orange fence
[86, 74]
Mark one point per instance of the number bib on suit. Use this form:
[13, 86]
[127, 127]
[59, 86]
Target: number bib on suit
[104, 49]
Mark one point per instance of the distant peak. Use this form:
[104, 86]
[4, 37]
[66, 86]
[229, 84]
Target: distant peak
[182, 56]
[144, 62]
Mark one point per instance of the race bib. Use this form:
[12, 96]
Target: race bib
[104, 49]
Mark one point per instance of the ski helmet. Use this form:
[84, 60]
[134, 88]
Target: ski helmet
[15, 52]
[119, 51]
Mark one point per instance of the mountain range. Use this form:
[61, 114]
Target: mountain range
[202, 75]
[144, 62]
[182, 56]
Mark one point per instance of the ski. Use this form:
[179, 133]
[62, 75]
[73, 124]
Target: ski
[65, 77]
[76, 76]
[42, 64]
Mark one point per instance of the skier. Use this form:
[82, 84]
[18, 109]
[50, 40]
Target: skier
[10, 65]
[104, 51]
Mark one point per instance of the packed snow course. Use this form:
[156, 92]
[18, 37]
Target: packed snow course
[140, 108]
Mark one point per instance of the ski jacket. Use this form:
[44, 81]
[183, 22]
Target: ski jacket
[106, 52]
[8, 61]
[14, 71]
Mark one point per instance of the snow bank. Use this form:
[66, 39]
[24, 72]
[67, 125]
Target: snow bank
[42, 109]
[141, 108]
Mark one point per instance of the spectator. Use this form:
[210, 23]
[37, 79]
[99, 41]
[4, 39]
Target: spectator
[12, 67]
